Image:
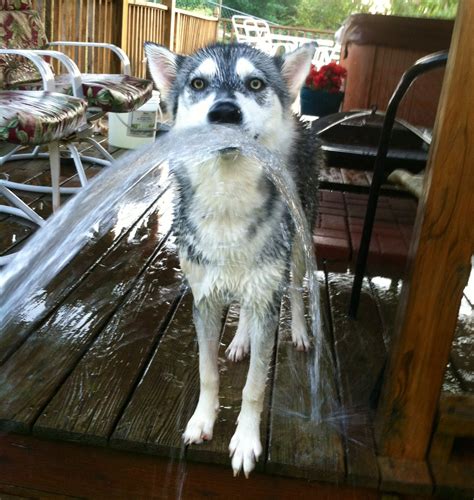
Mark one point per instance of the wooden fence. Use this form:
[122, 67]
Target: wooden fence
[126, 23]
[193, 30]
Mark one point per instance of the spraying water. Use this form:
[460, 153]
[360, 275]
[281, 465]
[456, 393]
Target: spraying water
[91, 213]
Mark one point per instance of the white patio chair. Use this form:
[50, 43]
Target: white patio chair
[35, 118]
[256, 32]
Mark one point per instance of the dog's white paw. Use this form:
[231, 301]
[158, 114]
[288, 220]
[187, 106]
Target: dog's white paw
[238, 348]
[299, 337]
[245, 448]
[200, 427]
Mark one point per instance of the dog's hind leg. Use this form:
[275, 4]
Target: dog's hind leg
[208, 322]
[245, 446]
[240, 345]
[299, 333]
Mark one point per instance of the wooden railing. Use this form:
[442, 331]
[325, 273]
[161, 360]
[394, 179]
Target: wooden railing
[145, 22]
[85, 21]
[193, 31]
[310, 34]
[126, 23]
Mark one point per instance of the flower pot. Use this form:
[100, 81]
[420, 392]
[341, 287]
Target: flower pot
[319, 102]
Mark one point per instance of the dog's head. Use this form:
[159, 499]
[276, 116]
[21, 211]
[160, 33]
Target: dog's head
[230, 84]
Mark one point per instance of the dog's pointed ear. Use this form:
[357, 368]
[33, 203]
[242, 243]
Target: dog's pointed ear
[163, 66]
[296, 66]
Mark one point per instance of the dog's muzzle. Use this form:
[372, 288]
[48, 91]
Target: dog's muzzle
[225, 112]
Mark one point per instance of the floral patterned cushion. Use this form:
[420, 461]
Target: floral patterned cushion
[39, 117]
[116, 93]
[15, 5]
[19, 30]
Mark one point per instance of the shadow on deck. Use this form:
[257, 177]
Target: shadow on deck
[95, 395]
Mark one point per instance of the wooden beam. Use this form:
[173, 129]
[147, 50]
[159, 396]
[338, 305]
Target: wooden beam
[170, 17]
[439, 263]
[123, 13]
[55, 467]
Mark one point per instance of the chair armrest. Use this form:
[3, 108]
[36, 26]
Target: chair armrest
[71, 68]
[43, 67]
[116, 50]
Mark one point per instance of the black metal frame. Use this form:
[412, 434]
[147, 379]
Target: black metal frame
[421, 66]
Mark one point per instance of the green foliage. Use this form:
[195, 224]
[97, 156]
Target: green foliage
[195, 5]
[281, 11]
[425, 8]
[330, 14]
[326, 14]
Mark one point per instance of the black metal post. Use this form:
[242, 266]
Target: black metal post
[421, 66]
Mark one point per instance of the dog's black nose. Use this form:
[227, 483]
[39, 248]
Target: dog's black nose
[225, 112]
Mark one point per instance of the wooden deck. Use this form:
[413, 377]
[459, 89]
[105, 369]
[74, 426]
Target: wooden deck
[94, 397]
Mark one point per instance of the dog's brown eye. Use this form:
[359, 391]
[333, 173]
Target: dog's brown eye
[256, 84]
[198, 83]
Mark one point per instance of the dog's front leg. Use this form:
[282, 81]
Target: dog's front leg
[245, 446]
[208, 321]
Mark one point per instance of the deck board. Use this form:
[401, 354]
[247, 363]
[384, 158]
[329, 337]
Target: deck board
[90, 401]
[31, 376]
[300, 445]
[89, 260]
[165, 397]
[360, 353]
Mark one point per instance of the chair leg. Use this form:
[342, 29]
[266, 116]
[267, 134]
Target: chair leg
[78, 164]
[21, 208]
[55, 165]
[100, 148]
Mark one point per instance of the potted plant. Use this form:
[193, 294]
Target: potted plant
[322, 93]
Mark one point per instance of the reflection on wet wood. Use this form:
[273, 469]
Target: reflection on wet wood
[112, 365]
[360, 353]
[82, 265]
[31, 376]
[165, 397]
[300, 445]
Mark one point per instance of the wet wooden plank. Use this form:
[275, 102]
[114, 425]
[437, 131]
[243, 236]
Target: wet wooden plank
[90, 401]
[165, 397]
[92, 472]
[453, 480]
[360, 353]
[405, 476]
[32, 375]
[301, 445]
[87, 261]
[10, 492]
[232, 381]
[386, 292]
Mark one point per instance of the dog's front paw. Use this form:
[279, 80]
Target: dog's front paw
[245, 448]
[300, 337]
[200, 427]
[238, 348]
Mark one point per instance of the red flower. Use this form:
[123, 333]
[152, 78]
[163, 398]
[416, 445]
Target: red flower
[329, 77]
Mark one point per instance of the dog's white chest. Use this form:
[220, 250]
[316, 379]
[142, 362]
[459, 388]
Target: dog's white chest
[227, 198]
[227, 195]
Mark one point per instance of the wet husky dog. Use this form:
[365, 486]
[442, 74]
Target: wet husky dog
[234, 233]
